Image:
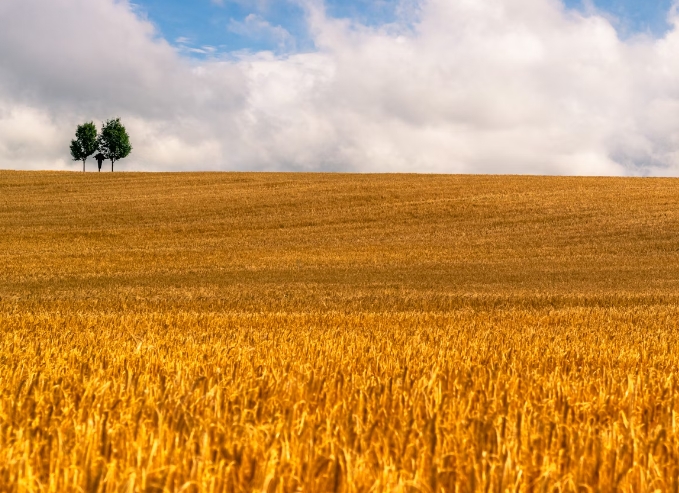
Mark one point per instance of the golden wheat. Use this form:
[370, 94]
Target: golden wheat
[276, 332]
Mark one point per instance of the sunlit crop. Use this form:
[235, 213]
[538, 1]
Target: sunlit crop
[273, 332]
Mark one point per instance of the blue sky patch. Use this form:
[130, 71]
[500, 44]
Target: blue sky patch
[205, 28]
[631, 17]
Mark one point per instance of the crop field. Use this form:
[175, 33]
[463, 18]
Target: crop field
[244, 332]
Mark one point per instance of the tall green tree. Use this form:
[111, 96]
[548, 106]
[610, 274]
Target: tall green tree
[85, 143]
[114, 143]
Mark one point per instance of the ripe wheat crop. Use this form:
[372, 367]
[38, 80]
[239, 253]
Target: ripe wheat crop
[277, 332]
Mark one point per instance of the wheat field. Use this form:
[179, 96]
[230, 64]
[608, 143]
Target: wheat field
[243, 332]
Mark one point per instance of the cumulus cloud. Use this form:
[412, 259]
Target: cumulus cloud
[506, 86]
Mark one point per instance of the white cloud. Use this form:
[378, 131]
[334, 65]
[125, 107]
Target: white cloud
[257, 28]
[28, 138]
[511, 86]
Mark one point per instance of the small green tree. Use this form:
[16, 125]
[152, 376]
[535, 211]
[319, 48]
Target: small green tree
[114, 143]
[85, 143]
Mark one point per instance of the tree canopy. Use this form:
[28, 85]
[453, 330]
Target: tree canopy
[114, 143]
[85, 143]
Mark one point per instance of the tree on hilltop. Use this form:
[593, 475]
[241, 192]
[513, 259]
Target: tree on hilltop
[114, 143]
[85, 143]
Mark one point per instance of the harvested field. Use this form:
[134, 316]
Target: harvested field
[206, 332]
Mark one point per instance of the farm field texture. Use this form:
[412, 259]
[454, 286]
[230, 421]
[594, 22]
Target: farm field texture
[315, 332]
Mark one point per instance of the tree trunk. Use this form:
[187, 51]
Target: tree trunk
[111, 165]
[83, 165]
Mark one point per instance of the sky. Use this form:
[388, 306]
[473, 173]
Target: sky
[581, 87]
[204, 27]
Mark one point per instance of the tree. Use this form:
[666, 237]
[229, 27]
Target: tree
[85, 143]
[114, 143]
